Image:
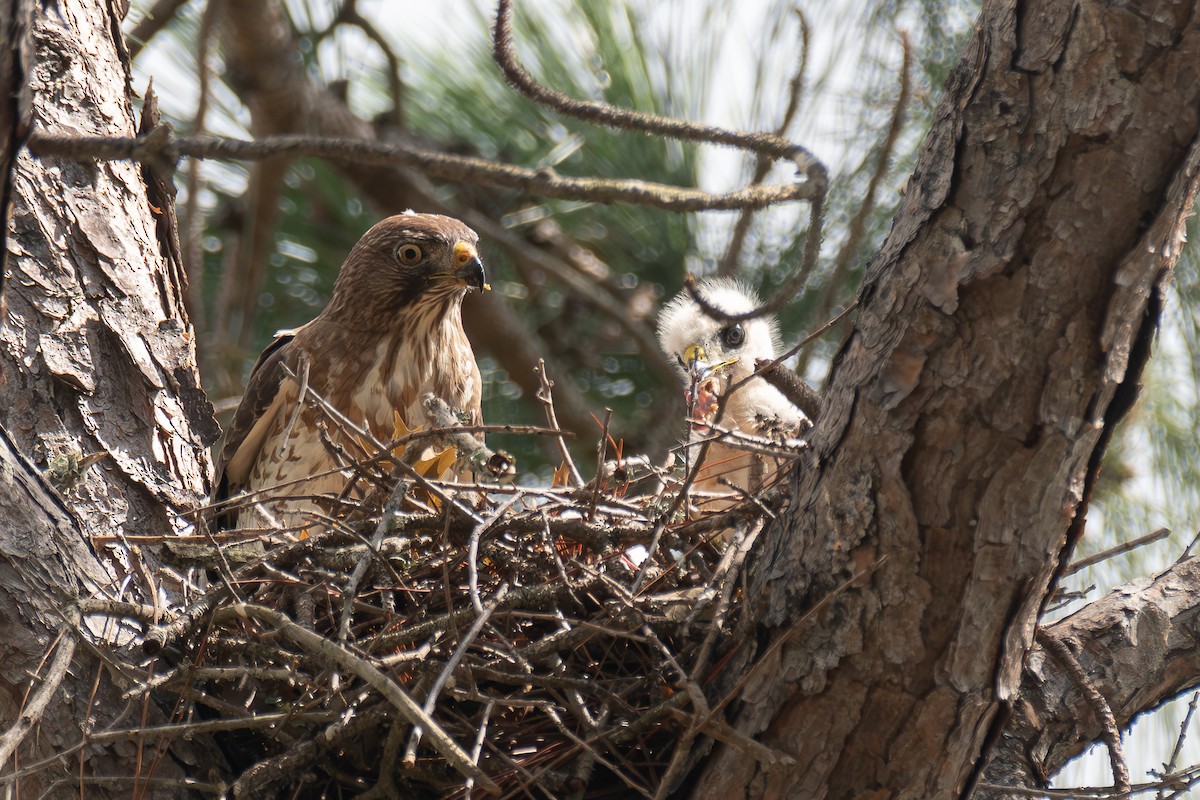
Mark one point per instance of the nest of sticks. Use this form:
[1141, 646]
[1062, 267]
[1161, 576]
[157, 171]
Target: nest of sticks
[463, 640]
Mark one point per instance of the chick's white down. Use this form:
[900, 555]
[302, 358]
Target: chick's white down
[684, 329]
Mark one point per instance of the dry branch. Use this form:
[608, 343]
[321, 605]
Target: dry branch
[164, 151]
[32, 712]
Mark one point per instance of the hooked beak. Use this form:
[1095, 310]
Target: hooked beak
[469, 267]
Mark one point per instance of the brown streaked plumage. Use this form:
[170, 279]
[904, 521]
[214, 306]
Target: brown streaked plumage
[391, 332]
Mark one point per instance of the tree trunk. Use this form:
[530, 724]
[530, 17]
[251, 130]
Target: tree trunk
[1003, 331]
[103, 425]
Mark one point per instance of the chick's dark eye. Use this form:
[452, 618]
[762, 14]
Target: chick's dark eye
[734, 335]
[408, 254]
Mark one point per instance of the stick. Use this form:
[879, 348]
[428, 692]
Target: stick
[1058, 649]
[1121, 549]
[405, 705]
[545, 397]
[36, 706]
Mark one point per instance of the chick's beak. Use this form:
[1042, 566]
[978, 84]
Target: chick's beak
[696, 361]
[468, 267]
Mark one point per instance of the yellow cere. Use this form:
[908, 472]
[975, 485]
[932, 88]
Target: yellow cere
[463, 253]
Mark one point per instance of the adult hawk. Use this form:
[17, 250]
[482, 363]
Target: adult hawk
[391, 332]
[711, 355]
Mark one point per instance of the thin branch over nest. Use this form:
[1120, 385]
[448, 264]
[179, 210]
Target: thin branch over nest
[163, 149]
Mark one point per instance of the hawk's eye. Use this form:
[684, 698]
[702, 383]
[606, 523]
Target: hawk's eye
[734, 335]
[408, 254]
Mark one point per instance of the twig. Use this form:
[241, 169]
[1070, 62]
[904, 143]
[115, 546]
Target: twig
[1175, 783]
[258, 780]
[219, 790]
[410, 752]
[722, 731]
[185, 730]
[785, 293]
[762, 445]
[319, 645]
[683, 745]
[727, 573]
[1187, 551]
[728, 264]
[601, 453]
[116, 608]
[33, 710]
[1121, 549]
[546, 398]
[586, 747]
[584, 765]
[479, 739]
[1169, 767]
[394, 503]
[168, 149]
[349, 14]
[154, 732]
[1058, 649]
[473, 549]
[791, 386]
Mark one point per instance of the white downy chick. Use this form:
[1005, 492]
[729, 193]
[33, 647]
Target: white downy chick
[711, 355]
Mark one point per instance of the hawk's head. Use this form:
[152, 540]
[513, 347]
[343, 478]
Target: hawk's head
[409, 259]
[711, 354]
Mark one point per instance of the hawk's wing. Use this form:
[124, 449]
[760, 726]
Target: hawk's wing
[260, 404]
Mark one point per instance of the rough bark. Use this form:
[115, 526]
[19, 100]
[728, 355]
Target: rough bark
[1138, 645]
[1003, 329]
[96, 358]
[97, 353]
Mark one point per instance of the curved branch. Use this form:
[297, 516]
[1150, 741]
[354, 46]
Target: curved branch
[768, 144]
[166, 150]
[764, 144]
